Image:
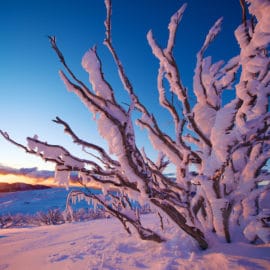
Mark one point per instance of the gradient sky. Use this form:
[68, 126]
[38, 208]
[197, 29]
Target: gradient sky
[31, 92]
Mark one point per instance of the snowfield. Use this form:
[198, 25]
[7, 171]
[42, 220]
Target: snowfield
[33, 201]
[103, 244]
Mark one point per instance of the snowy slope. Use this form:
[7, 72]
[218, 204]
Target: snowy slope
[33, 201]
[103, 244]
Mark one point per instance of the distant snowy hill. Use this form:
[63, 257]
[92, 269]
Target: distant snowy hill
[6, 187]
[33, 201]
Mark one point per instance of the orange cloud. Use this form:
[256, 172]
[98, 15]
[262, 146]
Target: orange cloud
[30, 176]
[26, 175]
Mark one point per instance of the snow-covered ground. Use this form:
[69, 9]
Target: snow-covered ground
[103, 244]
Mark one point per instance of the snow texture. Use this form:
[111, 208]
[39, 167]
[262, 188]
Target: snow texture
[100, 244]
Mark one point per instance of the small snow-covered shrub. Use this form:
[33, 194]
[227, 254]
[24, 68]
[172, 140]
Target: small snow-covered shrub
[17, 220]
[51, 217]
[5, 221]
[83, 214]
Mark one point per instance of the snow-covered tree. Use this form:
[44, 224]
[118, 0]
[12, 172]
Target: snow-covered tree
[219, 152]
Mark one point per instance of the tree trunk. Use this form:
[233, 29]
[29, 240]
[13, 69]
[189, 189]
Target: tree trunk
[195, 233]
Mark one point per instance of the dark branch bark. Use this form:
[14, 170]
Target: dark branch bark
[195, 233]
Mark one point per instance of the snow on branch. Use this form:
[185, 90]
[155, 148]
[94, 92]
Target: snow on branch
[171, 72]
[173, 25]
[104, 157]
[117, 205]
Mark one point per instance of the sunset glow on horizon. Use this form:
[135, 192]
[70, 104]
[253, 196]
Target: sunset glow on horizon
[11, 179]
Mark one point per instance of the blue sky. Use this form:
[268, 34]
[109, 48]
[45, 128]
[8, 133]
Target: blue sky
[31, 92]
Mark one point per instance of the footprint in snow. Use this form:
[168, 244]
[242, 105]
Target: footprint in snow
[125, 248]
[97, 237]
[58, 257]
